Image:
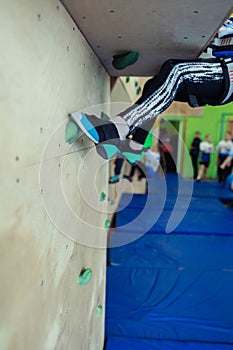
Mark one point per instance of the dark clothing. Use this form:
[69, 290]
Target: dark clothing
[141, 169]
[194, 153]
[118, 165]
[195, 147]
[205, 159]
[198, 82]
[223, 173]
[195, 165]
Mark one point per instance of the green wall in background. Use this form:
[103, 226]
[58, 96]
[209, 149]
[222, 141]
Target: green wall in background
[214, 121]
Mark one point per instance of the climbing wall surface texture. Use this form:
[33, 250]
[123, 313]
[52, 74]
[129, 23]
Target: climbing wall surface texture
[52, 267]
[156, 30]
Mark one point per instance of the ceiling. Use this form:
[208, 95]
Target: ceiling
[158, 30]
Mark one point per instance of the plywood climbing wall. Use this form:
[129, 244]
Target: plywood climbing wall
[48, 70]
[157, 30]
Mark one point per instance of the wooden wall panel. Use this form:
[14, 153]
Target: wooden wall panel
[46, 71]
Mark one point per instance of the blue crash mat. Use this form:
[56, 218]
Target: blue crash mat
[191, 222]
[171, 251]
[167, 202]
[183, 305]
[174, 184]
[114, 343]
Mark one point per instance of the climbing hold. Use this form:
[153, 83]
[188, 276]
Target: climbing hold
[102, 196]
[138, 90]
[135, 83]
[127, 79]
[107, 223]
[84, 277]
[124, 60]
[71, 132]
[99, 310]
[104, 116]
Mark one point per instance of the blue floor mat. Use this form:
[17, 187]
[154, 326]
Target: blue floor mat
[115, 343]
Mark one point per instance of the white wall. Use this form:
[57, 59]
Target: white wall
[46, 71]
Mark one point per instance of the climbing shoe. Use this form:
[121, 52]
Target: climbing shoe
[102, 132]
[130, 154]
[112, 147]
[106, 138]
[114, 179]
[94, 128]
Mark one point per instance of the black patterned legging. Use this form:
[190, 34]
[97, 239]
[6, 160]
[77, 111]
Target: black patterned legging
[176, 80]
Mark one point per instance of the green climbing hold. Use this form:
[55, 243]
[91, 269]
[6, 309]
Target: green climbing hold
[102, 196]
[127, 79]
[71, 132]
[135, 83]
[99, 310]
[138, 90]
[124, 60]
[107, 223]
[84, 277]
[104, 116]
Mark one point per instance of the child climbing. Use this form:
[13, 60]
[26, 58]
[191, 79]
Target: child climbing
[198, 82]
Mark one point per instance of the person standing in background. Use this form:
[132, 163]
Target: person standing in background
[206, 148]
[225, 148]
[194, 153]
